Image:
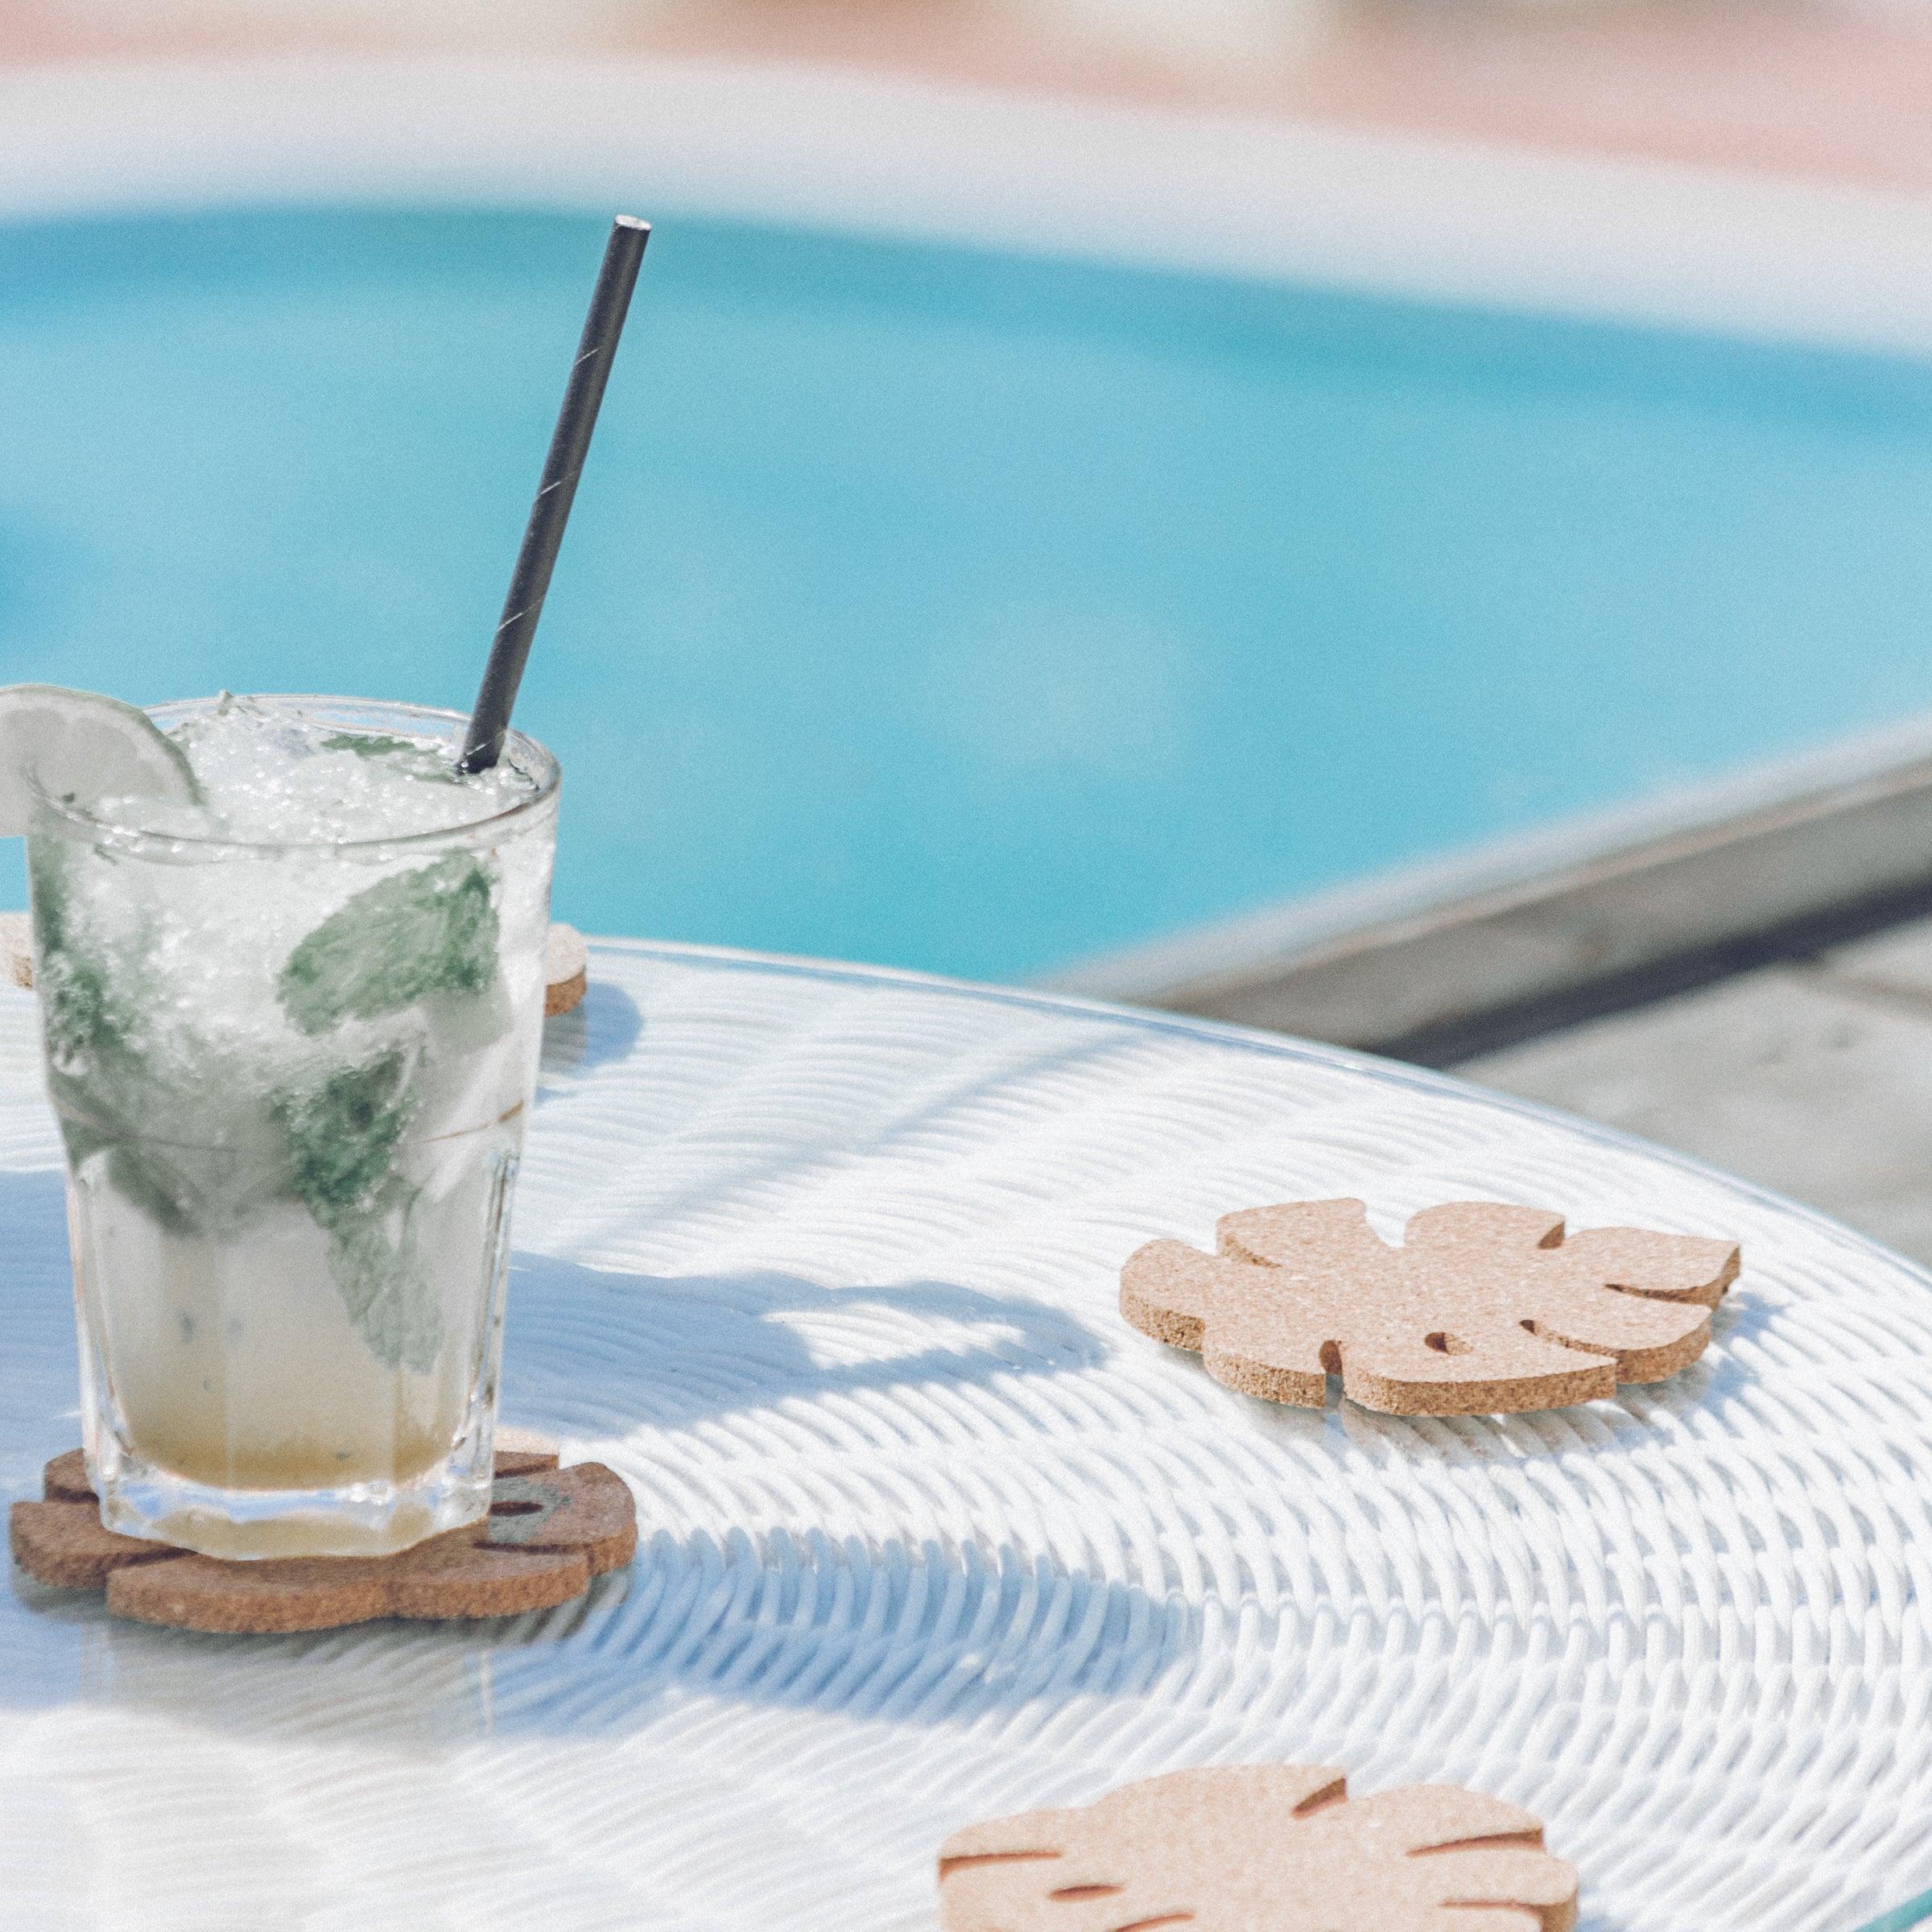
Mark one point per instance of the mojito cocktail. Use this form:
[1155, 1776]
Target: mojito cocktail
[292, 1013]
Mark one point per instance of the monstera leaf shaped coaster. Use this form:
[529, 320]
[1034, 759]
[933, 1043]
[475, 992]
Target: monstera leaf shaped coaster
[548, 1532]
[1260, 1848]
[1484, 1308]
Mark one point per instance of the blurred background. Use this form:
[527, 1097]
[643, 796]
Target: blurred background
[1833, 84]
[1405, 520]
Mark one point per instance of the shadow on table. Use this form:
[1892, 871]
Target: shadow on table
[883, 1632]
[882, 1629]
[919, 1115]
[39, 1389]
[603, 1026]
[594, 1352]
[878, 1627]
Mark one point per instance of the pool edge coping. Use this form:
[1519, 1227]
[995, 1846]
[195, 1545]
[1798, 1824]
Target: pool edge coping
[1515, 937]
[1426, 216]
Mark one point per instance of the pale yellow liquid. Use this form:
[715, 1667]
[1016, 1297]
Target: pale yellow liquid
[235, 1363]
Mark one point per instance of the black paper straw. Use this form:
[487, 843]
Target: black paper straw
[529, 582]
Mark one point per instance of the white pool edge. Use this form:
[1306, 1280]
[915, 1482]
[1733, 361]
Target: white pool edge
[864, 152]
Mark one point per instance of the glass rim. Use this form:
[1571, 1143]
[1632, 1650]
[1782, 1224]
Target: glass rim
[529, 755]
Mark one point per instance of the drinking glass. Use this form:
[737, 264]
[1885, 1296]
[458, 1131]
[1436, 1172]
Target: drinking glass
[292, 1080]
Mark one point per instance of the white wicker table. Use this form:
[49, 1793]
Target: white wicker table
[824, 1261]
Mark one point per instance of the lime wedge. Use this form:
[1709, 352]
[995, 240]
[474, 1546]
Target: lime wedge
[78, 744]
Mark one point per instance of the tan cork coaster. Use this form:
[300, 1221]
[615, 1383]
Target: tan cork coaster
[1248, 1846]
[566, 962]
[16, 948]
[566, 970]
[1484, 1308]
[549, 1531]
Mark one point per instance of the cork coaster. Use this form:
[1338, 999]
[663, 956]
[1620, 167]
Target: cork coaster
[16, 948]
[1248, 1846]
[565, 961]
[549, 1531]
[1484, 1309]
[566, 970]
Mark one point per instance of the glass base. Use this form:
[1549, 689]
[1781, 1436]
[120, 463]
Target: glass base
[357, 1519]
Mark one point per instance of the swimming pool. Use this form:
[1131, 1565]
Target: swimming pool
[955, 609]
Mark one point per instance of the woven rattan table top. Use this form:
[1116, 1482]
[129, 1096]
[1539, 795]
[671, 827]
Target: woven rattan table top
[824, 1261]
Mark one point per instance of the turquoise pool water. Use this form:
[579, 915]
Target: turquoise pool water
[945, 608]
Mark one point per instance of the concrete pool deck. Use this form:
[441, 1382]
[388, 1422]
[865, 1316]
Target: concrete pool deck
[1812, 1077]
